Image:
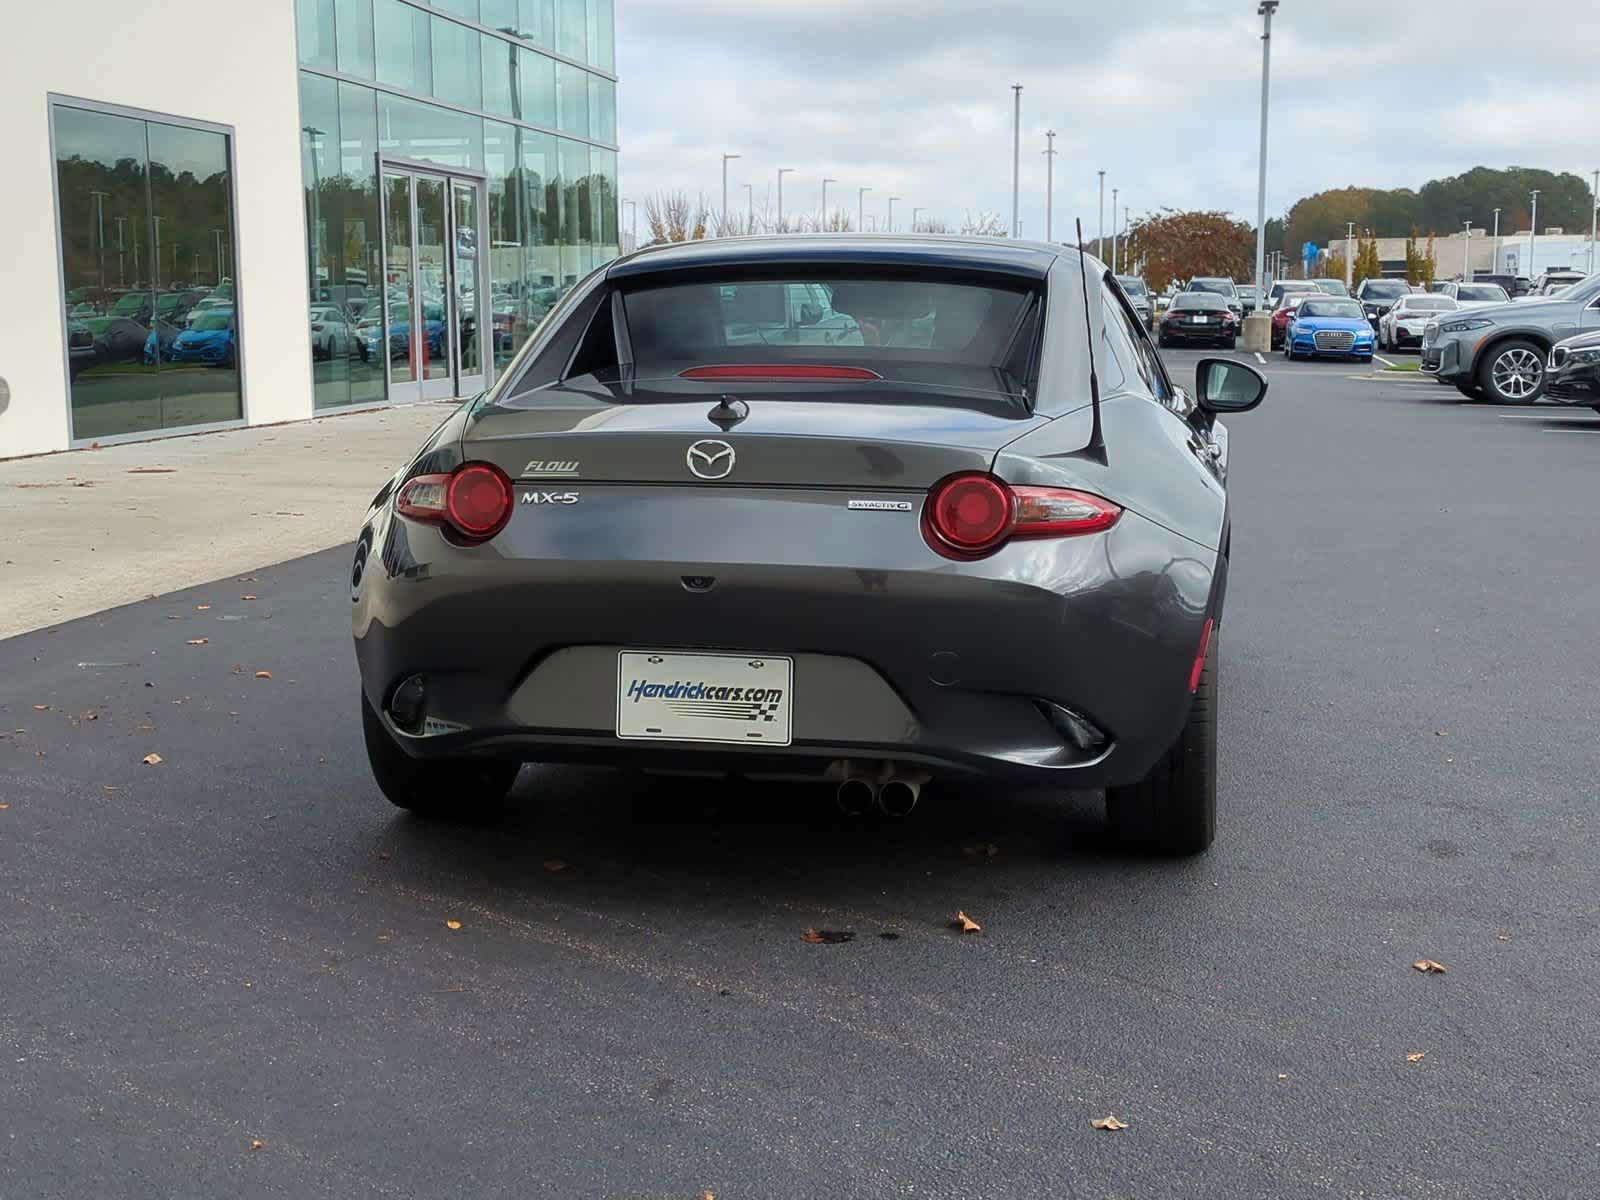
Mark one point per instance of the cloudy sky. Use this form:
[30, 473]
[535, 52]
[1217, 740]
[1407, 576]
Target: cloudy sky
[912, 98]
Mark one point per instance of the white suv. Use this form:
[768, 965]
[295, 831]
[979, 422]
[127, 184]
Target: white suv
[1405, 323]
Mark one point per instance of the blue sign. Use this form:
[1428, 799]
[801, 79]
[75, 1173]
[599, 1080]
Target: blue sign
[1309, 253]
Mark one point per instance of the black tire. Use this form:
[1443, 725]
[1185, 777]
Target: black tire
[1164, 342]
[1232, 343]
[1470, 391]
[1173, 809]
[436, 789]
[1494, 372]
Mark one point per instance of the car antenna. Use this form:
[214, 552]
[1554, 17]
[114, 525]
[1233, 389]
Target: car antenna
[1096, 449]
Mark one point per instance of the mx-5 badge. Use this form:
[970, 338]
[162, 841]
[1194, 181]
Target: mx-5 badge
[549, 497]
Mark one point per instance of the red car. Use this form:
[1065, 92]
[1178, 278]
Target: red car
[1281, 315]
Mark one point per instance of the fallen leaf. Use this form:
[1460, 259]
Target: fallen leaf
[147, 728]
[247, 596]
[1428, 967]
[110, 787]
[89, 716]
[151, 760]
[201, 607]
[965, 924]
[174, 617]
[1417, 1057]
[981, 850]
[41, 708]
[1283, 1077]
[708, 1195]
[889, 935]
[198, 641]
[263, 674]
[257, 1144]
[828, 937]
[247, 579]
[1108, 1123]
[452, 924]
[1441, 733]
[554, 864]
[3, 807]
[152, 470]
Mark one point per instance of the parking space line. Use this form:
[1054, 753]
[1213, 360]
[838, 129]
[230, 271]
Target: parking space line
[1383, 360]
[1554, 414]
[1259, 359]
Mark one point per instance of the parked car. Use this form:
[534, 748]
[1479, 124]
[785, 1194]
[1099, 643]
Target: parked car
[1284, 313]
[1283, 287]
[158, 343]
[1328, 325]
[117, 339]
[1572, 375]
[1552, 283]
[1219, 285]
[210, 339]
[80, 347]
[721, 626]
[1139, 297]
[1499, 353]
[1476, 295]
[1199, 318]
[1377, 296]
[1249, 296]
[1515, 286]
[1331, 287]
[1405, 323]
[332, 335]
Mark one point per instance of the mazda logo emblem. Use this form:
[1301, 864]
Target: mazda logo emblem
[710, 459]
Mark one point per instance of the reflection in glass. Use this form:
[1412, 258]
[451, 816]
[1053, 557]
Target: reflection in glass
[602, 109]
[464, 224]
[399, 279]
[572, 29]
[354, 21]
[538, 87]
[456, 64]
[602, 35]
[147, 256]
[433, 340]
[500, 91]
[402, 39]
[506, 259]
[572, 99]
[536, 21]
[314, 22]
[410, 129]
[359, 291]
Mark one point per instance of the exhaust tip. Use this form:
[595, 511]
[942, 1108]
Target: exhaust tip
[898, 797]
[855, 796]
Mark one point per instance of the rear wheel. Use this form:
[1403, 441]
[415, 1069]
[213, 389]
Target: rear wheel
[1513, 373]
[1173, 810]
[439, 789]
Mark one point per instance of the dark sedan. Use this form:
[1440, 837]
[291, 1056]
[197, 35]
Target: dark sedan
[1573, 374]
[1199, 319]
[982, 533]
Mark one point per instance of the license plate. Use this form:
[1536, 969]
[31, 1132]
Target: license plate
[704, 697]
[1200, 320]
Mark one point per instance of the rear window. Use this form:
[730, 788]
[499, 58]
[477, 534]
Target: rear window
[1428, 303]
[1219, 287]
[1385, 289]
[1479, 292]
[908, 330]
[1201, 300]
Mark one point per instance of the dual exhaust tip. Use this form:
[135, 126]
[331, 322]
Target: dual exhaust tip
[896, 796]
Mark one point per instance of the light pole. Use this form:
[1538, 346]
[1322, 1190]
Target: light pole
[1100, 237]
[1594, 218]
[1127, 220]
[1049, 184]
[1113, 231]
[914, 213]
[1349, 253]
[892, 199]
[861, 209]
[100, 199]
[1494, 266]
[121, 274]
[825, 182]
[725, 159]
[1533, 231]
[782, 171]
[312, 136]
[1268, 7]
[634, 204]
[1466, 255]
[216, 241]
[749, 208]
[1016, 161]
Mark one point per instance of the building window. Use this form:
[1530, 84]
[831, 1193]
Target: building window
[147, 259]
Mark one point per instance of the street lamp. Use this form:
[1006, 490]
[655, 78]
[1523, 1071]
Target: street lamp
[782, 171]
[1349, 253]
[725, 159]
[1494, 265]
[312, 136]
[1533, 231]
[750, 208]
[1100, 238]
[892, 199]
[1466, 255]
[1049, 183]
[1267, 8]
[1016, 161]
[1113, 231]
[1594, 218]
[635, 206]
[100, 199]
[825, 182]
[1127, 220]
[861, 209]
[914, 213]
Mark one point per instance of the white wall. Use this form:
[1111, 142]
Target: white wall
[231, 62]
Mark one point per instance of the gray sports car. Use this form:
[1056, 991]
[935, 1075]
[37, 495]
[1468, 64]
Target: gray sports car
[946, 515]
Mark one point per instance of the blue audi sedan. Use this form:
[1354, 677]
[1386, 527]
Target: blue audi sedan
[1329, 326]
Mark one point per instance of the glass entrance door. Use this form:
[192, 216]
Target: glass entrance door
[433, 287]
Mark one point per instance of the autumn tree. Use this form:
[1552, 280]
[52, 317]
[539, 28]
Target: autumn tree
[1368, 264]
[1333, 267]
[1430, 265]
[673, 217]
[1177, 246]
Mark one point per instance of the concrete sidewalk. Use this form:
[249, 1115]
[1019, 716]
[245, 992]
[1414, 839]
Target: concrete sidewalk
[91, 529]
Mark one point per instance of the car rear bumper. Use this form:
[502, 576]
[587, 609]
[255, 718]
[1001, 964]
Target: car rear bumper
[1209, 335]
[931, 667]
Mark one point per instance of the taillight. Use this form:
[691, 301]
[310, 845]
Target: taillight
[474, 500]
[797, 372]
[970, 515]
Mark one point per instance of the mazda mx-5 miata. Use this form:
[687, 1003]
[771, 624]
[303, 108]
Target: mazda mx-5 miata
[958, 521]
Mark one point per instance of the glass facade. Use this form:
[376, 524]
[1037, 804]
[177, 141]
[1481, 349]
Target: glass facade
[459, 176]
[146, 228]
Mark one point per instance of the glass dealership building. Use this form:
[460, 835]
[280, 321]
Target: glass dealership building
[361, 202]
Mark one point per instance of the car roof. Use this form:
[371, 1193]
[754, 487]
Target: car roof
[1027, 260]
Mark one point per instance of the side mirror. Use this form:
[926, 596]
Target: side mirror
[1225, 385]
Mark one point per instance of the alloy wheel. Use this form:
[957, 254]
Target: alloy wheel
[1517, 373]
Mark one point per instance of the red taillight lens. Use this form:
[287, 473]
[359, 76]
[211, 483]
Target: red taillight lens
[792, 372]
[474, 500]
[1200, 657]
[969, 515]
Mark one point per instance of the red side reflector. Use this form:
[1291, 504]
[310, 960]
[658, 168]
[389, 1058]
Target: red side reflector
[780, 371]
[1200, 658]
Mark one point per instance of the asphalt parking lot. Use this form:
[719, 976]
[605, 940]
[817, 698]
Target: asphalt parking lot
[231, 972]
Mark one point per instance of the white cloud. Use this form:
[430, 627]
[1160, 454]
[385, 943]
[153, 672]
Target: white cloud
[913, 98]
